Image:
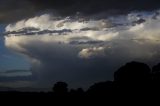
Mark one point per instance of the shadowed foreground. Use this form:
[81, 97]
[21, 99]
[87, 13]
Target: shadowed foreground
[133, 80]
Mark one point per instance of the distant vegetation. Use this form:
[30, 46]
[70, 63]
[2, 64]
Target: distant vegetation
[132, 79]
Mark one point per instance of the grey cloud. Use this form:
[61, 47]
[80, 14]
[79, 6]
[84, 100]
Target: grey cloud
[90, 7]
[86, 42]
[14, 79]
[84, 57]
[34, 31]
[13, 10]
[14, 71]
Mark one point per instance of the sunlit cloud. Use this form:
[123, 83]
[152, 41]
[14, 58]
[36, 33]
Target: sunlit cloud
[71, 46]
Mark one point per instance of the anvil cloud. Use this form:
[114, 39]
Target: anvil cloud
[83, 50]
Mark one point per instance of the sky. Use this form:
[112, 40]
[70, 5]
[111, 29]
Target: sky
[77, 41]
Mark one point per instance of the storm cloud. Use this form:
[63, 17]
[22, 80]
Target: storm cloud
[13, 10]
[82, 51]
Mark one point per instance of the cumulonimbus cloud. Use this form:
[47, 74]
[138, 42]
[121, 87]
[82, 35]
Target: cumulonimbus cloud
[84, 50]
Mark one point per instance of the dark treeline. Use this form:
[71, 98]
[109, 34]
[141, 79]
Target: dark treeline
[132, 79]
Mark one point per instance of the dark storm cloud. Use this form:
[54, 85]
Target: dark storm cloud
[92, 6]
[86, 42]
[16, 78]
[82, 57]
[90, 50]
[13, 10]
[16, 75]
[29, 32]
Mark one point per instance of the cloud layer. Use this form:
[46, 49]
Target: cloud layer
[81, 50]
[13, 10]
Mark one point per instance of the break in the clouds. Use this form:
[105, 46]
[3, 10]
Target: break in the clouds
[81, 50]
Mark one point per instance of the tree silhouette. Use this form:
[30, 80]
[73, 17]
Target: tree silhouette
[156, 72]
[60, 88]
[77, 92]
[132, 79]
[101, 88]
[156, 78]
[133, 72]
